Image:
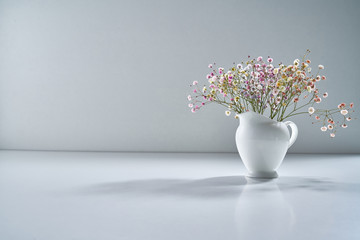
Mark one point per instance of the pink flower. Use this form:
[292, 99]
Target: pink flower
[193, 110]
[341, 105]
[317, 100]
[190, 105]
[260, 58]
[197, 107]
[210, 66]
[189, 97]
[195, 91]
[332, 135]
[323, 128]
[270, 60]
[323, 78]
[317, 117]
[208, 76]
[195, 83]
[351, 105]
[203, 103]
[296, 99]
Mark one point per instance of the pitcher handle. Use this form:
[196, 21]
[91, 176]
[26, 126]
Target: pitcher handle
[294, 132]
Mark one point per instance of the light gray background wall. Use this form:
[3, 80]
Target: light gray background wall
[114, 75]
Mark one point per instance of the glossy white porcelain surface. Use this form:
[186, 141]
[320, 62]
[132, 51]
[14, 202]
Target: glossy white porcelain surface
[125, 196]
[262, 143]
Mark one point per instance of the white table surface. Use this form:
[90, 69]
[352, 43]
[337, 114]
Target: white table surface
[121, 196]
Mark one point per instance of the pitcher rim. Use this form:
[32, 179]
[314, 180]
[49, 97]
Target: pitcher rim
[258, 115]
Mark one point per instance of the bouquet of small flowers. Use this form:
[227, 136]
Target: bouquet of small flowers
[257, 85]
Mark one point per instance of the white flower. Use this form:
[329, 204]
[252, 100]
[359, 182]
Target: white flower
[309, 88]
[276, 70]
[282, 88]
[323, 128]
[344, 112]
[190, 105]
[278, 100]
[311, 110]
[259, 87]
[275, 92]
[296, 61]
[321, 66]
[204, 89]
[213, 79]
[189, 97]
[332, 135]
[239, 66]
[309, 69]
[227, 113]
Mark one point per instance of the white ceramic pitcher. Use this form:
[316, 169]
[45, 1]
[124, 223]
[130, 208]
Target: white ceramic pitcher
[262, 143]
